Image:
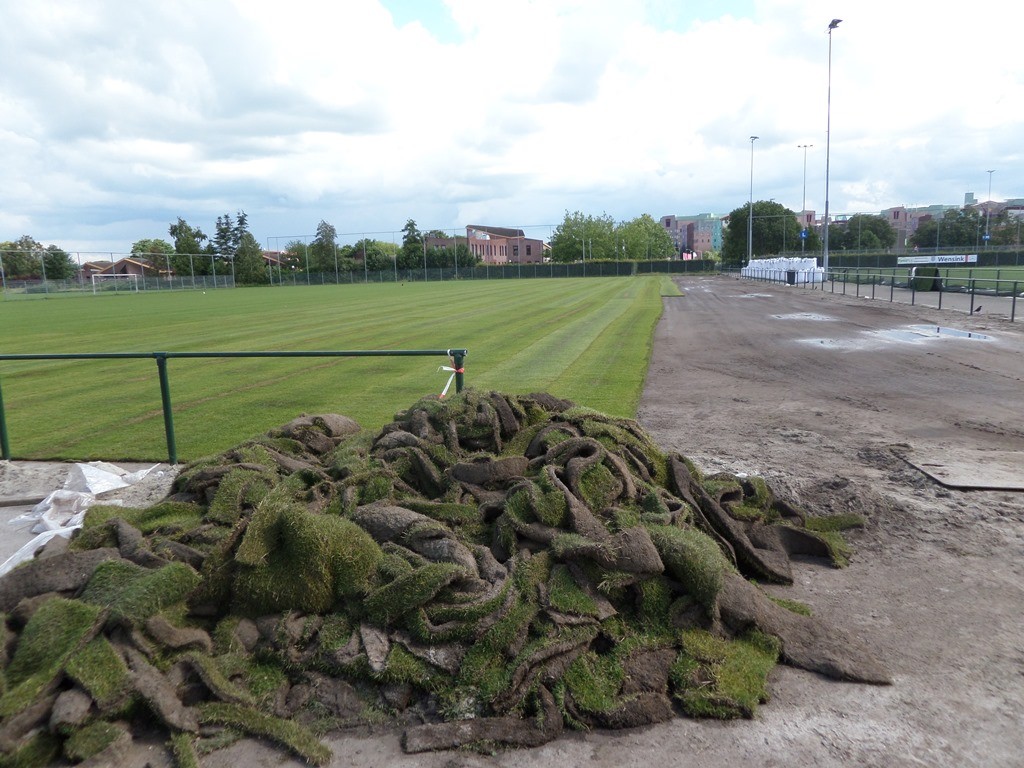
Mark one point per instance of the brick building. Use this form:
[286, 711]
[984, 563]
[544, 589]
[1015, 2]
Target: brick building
[502, 245]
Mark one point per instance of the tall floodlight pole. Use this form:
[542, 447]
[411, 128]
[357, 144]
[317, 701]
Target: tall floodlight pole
[988, 209]
[750, 217]
[828, 140]
[803, 204]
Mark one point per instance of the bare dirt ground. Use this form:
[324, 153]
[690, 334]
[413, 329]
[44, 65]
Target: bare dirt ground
[799, 386]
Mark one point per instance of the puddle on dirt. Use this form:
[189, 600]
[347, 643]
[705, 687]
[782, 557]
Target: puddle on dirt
[805, 316]
[954, 332]
[843, 344]
[753, 296]
[913, 334]
[916, 334]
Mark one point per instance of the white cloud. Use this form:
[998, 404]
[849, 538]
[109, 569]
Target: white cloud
[117, 117]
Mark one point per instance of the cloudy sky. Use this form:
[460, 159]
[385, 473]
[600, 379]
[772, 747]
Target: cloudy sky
[118, 116]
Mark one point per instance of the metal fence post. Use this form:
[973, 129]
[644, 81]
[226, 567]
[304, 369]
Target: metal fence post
[5, 447]
[459, 358]
[165, 397]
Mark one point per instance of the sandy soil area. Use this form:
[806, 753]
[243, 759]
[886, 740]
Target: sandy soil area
[814, 391]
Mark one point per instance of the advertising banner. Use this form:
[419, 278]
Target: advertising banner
[958, 258]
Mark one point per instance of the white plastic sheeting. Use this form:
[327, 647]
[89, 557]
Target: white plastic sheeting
[778, 269]
[62, 512]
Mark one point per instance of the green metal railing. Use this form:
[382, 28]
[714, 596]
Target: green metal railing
[458, 357]
[943, 282]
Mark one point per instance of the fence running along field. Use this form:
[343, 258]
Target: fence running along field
[457, 357]
[82, 285]
[957, 288]
[994, 256]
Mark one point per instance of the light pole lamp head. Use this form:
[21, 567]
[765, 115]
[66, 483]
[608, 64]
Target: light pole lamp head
[834, 23]
[753, 138]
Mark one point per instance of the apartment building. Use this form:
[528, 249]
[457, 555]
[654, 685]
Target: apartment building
[694, 234]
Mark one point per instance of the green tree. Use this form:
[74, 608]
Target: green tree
[957, 228]
[861, 232]
[188, 249]
[152, 247]
[157, 252]
[1005, 229]
[21, 260]
[775, 230]
[455, 253]
[323, 251]
[241, 229]
[227, 238]
[813, 244]
[295, 256]
[377, 254]
[644, 238]
[59, 265]
[583, 237]
[187, 239]
[466, 259]
[250, 269]
[25, 258]
[414, 252]
[412, 246]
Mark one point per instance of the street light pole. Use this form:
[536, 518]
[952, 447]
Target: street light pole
[828, 142]
[988, 209]
[803, 204]
[750, 217]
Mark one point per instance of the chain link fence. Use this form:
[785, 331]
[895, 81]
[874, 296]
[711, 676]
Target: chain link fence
[84, 285]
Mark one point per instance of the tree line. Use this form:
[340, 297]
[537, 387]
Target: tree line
[582, 237]
[28, 259]
[967, 227]
[232, 249]
[776, 230]
[323, 254]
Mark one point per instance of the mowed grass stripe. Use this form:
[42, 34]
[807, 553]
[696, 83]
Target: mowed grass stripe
[543, 362]
[556, 335]
[604, 375]
[181, 381]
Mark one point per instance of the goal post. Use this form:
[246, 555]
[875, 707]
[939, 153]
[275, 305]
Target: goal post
[107, 282]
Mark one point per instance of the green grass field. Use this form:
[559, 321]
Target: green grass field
[584, 339]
